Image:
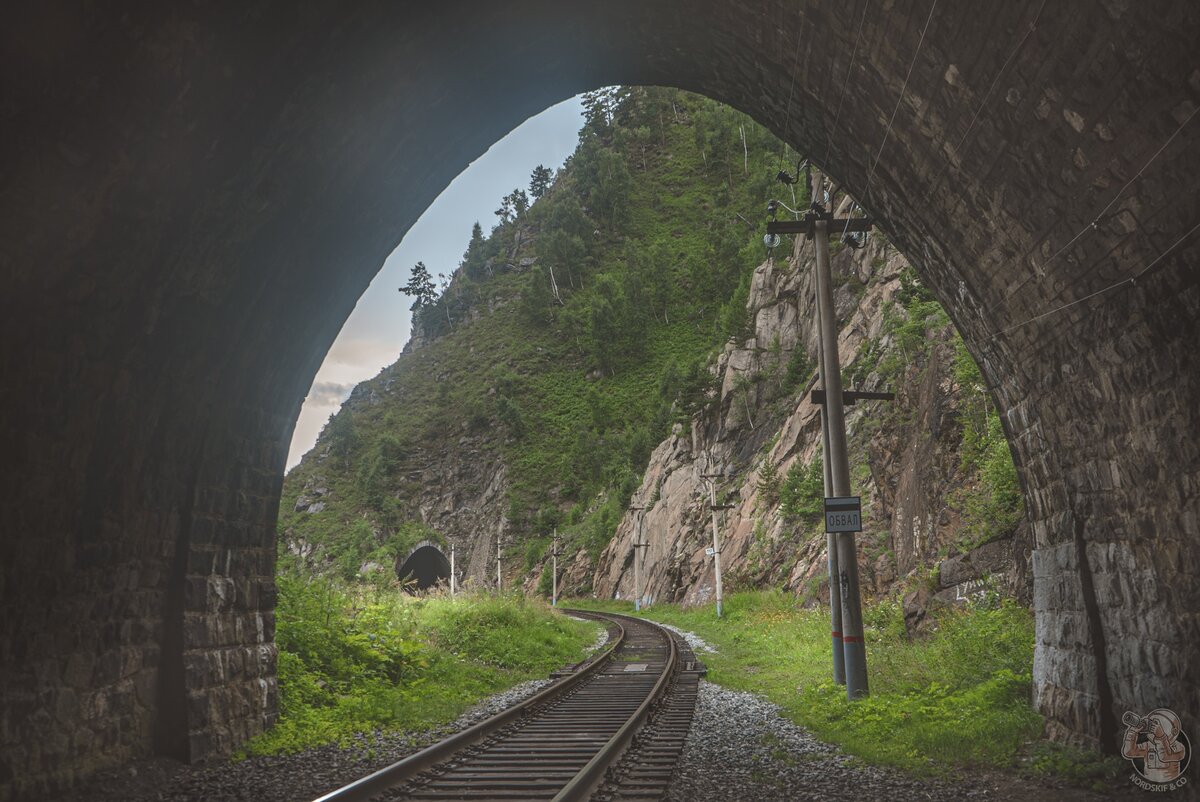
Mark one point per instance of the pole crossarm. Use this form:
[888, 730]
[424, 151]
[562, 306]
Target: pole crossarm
[850, 397]
[805, 226]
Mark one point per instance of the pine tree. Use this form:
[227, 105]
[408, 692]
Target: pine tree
[539, 181]
[520, 201]
[420, 287]
[769, 483]
[474, 260]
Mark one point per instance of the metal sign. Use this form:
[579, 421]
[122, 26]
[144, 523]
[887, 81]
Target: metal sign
[710, 551]
[843, 514]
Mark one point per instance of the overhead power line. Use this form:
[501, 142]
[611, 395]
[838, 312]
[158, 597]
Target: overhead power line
[900, 99]
[1132, 280]
[854, 52]
[987, 95]
[1096, 221]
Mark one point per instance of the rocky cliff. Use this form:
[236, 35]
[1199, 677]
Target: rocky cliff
[907, 456]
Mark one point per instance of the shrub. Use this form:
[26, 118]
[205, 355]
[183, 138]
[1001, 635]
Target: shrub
[802, 497]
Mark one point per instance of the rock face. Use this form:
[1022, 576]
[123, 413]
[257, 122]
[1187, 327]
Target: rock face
[193, 202]
[907, 457]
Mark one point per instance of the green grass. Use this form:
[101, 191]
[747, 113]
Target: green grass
[957, 699]
[355, 659]
[1078, 767]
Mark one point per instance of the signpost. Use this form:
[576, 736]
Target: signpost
[843, 514]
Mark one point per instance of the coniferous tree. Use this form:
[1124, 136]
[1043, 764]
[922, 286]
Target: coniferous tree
[520, 202]
[539, 181]
[475, 258]
[420, 287]
[505, 212]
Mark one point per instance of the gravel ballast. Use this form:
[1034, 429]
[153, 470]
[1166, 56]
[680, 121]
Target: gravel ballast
[741, 748]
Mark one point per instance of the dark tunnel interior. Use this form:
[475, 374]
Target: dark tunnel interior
[423, 568]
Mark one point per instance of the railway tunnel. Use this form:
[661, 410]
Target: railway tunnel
[192, 198]
[423, 567]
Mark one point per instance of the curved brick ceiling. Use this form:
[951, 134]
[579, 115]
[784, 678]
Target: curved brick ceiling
[191, 201]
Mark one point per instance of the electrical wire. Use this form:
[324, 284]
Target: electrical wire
[838, 114]
[987, 95]
[789, 208]
[1123, 282]
[899, 100]
[787, 117]
[1096, 221]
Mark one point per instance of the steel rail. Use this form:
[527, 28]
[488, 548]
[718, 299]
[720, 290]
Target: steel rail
[591, 775]
[389, 776]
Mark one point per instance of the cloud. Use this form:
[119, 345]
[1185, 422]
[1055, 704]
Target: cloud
[363, 353]
[328, 394]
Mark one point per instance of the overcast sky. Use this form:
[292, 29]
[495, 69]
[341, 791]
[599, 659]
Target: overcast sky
[378, 328]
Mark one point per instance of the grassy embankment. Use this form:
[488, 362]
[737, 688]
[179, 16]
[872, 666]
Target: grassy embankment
[356, 659]
[959, 698]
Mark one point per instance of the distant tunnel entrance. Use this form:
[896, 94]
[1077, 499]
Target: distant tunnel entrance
[425, 566]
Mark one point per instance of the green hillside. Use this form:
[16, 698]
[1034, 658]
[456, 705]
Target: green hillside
[572, 336]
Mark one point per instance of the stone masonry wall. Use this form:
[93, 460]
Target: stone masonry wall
[193, 197]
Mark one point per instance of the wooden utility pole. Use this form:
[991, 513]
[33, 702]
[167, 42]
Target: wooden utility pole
[452, 570]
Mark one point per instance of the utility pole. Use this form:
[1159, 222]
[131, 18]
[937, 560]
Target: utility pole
[853, 646]
[554, 570]
[499, 579]
[637, 551]
[816, 225]
[716, 546]
[639, 557]
[452, 570]
[835, 595]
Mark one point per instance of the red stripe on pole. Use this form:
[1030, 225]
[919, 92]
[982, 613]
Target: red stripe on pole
[837, 634]
[852, 639]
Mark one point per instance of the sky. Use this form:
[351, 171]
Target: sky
[378, 327]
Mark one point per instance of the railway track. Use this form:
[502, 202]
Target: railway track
[611, 727]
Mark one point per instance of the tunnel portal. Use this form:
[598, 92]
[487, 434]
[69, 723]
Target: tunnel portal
[424, 566]
[194, 196]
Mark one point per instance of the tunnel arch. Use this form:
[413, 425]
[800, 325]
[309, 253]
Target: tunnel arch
[193, 203]
[425, 565]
